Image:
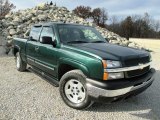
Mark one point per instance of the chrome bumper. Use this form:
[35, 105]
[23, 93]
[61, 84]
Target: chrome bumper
[96, 91]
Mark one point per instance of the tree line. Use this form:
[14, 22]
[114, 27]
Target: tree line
[136, 26]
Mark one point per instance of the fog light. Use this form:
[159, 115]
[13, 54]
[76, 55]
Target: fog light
[112, 76]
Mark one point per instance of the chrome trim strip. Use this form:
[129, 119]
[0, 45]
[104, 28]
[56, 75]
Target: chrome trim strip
[44, 65]
[127, 68]
[30, 59]
[96, 92]
[40, 64]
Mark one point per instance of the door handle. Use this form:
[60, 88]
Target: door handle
[36, 48]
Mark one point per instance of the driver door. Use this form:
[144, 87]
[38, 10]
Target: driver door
[47, 53]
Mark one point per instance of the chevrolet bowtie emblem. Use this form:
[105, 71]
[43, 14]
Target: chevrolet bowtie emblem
[141, 66]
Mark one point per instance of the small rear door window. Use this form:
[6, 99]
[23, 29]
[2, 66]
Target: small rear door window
[47, 31]
[35, 33]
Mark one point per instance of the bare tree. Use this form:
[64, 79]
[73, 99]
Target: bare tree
[104, 16]
[127, 26]
[113, 19]
[114, 25]
[157, 25]
[5, 7]
[96, 15]
[100, 16]
[147, 18]
[82, 11]
[136, 17]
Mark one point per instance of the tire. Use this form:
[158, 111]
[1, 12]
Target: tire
[21, 65]
[73, 90]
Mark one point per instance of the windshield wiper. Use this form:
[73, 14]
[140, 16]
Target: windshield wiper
[99, 41]
[78, 41]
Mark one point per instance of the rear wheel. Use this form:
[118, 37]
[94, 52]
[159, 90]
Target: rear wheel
[20, 64]
[73, 90]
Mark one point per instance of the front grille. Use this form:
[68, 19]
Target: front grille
[136, 61]
[139, 72]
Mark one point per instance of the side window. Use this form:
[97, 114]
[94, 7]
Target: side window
[35, 33]
[47, 31]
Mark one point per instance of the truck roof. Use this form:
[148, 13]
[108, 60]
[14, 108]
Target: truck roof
[55, 23]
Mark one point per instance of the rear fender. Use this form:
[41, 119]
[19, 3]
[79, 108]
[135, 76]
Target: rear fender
[16, 49]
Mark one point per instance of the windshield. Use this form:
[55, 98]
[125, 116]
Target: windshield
[79, 34]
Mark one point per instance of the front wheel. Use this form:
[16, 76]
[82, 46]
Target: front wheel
[20, 64]
[73, 90]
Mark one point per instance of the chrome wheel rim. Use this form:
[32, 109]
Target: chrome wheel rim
[18, 62]
[75, 91]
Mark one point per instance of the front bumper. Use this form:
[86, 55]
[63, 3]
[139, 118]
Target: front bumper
[114, 90]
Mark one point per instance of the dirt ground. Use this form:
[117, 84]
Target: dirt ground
[25, 96]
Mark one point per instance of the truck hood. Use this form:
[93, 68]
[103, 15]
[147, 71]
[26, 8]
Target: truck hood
[111, 51]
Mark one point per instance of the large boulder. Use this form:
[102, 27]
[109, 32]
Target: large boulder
[12, 31]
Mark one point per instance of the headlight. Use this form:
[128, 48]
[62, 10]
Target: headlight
[111, 64]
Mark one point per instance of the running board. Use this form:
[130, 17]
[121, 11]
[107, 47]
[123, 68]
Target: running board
[44, 76]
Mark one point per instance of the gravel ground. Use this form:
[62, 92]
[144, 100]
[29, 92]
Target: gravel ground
[25, 96]
[2, 44]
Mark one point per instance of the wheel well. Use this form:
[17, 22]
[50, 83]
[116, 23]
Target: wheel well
[63, 69]
[15, 51]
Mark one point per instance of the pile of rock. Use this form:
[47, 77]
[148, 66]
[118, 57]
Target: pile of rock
[18, 24]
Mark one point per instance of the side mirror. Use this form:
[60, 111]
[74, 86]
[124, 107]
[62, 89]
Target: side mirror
[46, 40]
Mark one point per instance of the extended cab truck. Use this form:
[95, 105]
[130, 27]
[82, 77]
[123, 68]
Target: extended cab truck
[83, 64]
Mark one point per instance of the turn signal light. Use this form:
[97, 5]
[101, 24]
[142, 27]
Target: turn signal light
[105, 76]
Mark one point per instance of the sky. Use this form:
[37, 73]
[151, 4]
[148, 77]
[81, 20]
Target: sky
[119, 8]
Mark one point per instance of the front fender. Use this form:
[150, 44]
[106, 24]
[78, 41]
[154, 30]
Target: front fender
[75, 64]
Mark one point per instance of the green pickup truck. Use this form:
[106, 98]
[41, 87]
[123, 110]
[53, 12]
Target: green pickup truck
[83, 64]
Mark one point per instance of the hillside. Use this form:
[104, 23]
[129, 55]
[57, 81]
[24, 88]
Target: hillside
[18, 24]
